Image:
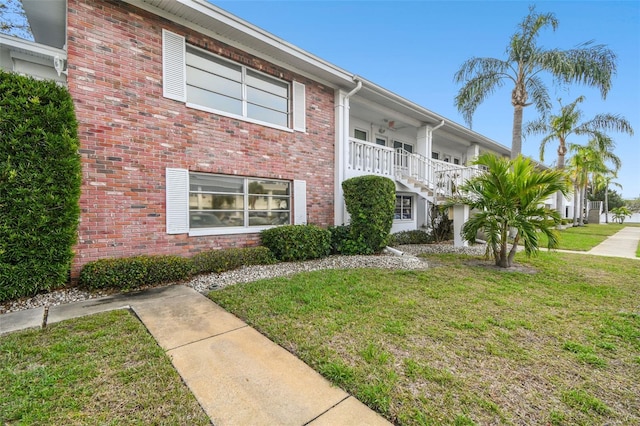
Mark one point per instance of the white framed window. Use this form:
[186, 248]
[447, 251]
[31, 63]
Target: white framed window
[381, 140]
[435, 155]
[456, 160]
[218, 201]
[446, 158]
[211, 83]
[360, 134]
[406, 146]
[210, 204]
[404, 207]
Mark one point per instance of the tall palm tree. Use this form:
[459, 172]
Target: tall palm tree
[567, 123]
[587, 63]
[511, 195]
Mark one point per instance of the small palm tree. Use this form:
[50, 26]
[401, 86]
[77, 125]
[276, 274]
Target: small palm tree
[588, 64]
[511, 194]
[620, 213]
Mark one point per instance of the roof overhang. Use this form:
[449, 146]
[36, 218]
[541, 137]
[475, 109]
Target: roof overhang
[217, 23]
[31, 48]
[48, 21]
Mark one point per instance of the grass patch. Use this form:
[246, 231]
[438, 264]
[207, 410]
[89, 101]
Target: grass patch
[584, 238]
[464, 343]
[101, 369]
[638, 250]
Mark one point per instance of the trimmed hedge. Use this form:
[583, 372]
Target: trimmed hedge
[129, 273]
[225, 260]
[297, 242]
[370, 201]
[40, 177]
[133, 272]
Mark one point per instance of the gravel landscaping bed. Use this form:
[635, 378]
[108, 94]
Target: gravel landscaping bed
[208, 282]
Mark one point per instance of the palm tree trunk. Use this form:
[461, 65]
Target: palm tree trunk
[583, 202]
[516, 132]
[576, 203]
[562, 150]
[606, 203]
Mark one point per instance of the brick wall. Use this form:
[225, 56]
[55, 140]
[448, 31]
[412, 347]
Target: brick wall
[129, 134]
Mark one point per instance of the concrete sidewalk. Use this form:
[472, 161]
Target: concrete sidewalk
[237, 375]
[621, 244]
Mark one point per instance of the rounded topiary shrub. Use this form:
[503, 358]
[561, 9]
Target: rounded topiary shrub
[297, 242]
[40, 177]
[370, 201]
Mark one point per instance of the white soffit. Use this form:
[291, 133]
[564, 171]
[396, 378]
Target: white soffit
[48, 21]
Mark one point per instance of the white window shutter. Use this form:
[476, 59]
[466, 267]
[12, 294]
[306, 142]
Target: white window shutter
[300, 202]
[177, 191]
[173, 66]
[299, 107]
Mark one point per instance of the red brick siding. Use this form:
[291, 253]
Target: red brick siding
[129, 133]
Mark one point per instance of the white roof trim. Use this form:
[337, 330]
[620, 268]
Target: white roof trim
[30, 47]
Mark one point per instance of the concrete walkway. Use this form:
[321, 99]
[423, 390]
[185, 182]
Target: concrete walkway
[621, 244]
[238, 376]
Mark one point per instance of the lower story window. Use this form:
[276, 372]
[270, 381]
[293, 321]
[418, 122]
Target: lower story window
[404, 207]
[219, 201]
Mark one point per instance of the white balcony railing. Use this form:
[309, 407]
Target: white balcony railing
[369, 158]
[439, 177]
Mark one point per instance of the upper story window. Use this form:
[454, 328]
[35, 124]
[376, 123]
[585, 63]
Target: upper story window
[360, 135]
[224, 86]
[209, 82]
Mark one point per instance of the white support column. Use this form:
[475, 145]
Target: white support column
[460, 216]
[341, 153]
[473, 152]
[424, 141]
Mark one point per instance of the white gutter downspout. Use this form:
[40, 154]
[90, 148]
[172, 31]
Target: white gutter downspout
[345, 150]
[438, 126]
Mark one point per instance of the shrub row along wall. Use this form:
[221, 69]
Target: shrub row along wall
[39, 185]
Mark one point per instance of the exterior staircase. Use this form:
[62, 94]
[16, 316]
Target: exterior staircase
[430, 179]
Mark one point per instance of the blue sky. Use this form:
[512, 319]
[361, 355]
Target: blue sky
[413, 48]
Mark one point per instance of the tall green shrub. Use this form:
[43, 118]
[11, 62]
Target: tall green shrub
[370, 201]
[40, 177]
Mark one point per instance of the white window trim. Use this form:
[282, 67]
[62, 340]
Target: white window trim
[237, 117]
[366, 132]
[177, 207]
[413, 147]
[413, 213]
[295, 107]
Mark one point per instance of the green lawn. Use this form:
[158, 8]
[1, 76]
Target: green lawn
[584, 238]
[463, 343]
[102, 369]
